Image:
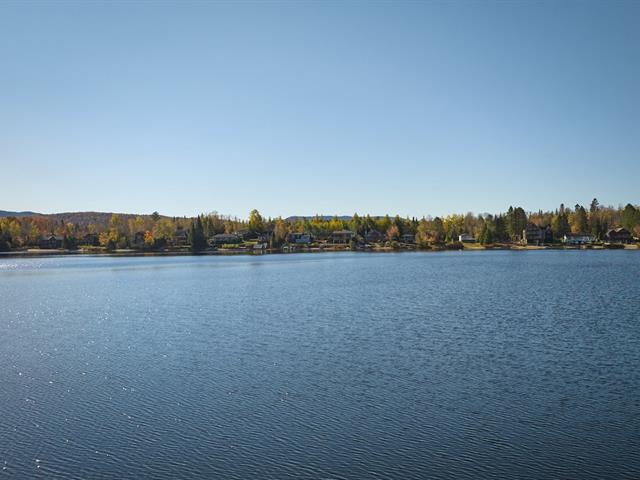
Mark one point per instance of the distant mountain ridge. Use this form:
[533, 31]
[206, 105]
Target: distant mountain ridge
[82, 219]
[296, 218]
[6, 213]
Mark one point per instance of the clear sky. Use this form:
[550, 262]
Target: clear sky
[412, 108]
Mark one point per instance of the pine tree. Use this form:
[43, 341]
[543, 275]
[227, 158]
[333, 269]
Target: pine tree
[438, 228]
[198, 240]
[520, 222]
[580, 222]
[511, 223]
[500, 230]
[560, 224]
[355, 225]
[486, 235]
[594, 218]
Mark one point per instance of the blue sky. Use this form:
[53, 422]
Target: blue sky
[293, 108]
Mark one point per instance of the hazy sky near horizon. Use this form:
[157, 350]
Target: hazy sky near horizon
[297, 108]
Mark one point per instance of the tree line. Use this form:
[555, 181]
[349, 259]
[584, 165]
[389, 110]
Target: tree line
[152, 232]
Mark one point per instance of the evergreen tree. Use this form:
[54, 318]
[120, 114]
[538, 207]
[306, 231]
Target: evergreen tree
[413, 225]
[486, 235]
[580, 220]
[500, 230]
[520, 222]
[369, 224]
[356, 224]
[510, 222]
[515, 222]
[438, 230]
[595, 226]
[198, 240]
[560, 224]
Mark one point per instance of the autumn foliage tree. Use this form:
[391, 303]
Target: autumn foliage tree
[393, 233]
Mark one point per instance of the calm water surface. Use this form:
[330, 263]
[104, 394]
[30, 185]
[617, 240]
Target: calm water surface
[519, 365]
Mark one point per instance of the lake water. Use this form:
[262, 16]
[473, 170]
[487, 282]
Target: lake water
[519, 365]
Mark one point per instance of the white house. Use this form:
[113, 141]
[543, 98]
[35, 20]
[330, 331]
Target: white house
[578, 239]
[466, 238]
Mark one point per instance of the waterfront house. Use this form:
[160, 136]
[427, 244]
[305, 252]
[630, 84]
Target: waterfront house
[408, 238]
[618, 235]
[578, 239]
[466, 238]
[535, 235]
[50, 241]
[180, 237]
[299, 238]
[342, 236]
[264, 237]
[374, 236]
[225, 239]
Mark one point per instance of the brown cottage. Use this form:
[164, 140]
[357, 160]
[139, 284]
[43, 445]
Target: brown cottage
[618, 235]
[535, 235]
[51, 241]
[342, 236]
[181, 238]
[374, 236]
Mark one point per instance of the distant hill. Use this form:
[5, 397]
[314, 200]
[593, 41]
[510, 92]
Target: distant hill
[296, 218]
[101, 218]
[5, 213]
[82, 219]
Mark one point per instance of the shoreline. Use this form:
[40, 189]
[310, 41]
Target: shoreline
[230, 252]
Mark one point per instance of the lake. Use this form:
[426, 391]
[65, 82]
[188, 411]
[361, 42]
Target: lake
[452, 365]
